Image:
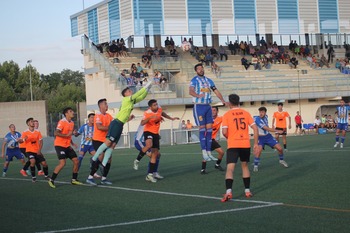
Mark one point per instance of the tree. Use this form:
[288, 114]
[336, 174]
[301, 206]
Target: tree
[7, 93]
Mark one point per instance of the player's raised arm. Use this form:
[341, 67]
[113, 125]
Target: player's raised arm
[169, 117]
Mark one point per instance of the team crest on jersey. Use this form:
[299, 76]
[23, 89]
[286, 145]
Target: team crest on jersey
[200, 118]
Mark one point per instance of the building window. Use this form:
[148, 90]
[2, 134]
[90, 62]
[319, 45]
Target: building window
[328, 12]
[244, 13]
[74, 26]
[114, 19]
[93, 26]
[288, 16]
[199, 17]
[148, 17]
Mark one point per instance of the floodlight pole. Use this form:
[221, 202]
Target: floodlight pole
[30, 80]
[299, 91]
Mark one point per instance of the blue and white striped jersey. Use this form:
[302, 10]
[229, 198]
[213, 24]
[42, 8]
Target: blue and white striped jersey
[86, 133]
[261, 122]
[343, 113]
[202, 85]
[11, 140]
[139, 134]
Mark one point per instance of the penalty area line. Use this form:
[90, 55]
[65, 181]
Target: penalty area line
[162, 219]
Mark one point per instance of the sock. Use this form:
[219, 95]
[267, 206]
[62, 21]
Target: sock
[26, 166]
[54, 175]
[107, 156]
[202, 138]
[256, 161]
[156, 165]
[106, 170]
[281, 156]
[80, 159]
[208, 139]
[38, 166]
[75, 176]
[32, 171]
[94, 167]
[337, 138]
[285, 146]
[46, 170]
[246, 182]
[140, 156]
[5, 169]
[99, 151]
[204, 165]
[151, 167]
[229, 183]
[218, 162]
[342, 139]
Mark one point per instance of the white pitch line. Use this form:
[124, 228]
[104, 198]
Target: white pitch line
[150, 191]
[162, 219]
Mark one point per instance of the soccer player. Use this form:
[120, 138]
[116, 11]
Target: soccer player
[298, 123]
[215, 145]
[32, 138]
[115, 130]
[279, 118]
[200, 89]
[140, 145]
[36, 127]
[265, 138]
[235, 124]
[63, 141]
[342, 118]
[86, 131]
[11, 147]
[152, 118]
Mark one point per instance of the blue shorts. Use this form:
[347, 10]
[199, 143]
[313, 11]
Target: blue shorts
[10, 153]
[342, 126]
[86, 148]
[267, 140]
[202, 114]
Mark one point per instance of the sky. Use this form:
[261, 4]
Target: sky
[39, 30]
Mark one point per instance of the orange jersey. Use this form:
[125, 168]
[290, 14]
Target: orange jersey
[280, 117]
[22, 145]
[32, 139]
[216, 126]
[236, 121]
[105, 120]
[153, 125]
[65, 127]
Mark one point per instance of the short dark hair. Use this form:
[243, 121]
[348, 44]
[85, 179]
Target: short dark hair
[199, 64]
[262, 109]
[124, 90]
[91, 114]
[216, 107]
[280, 104]
[234, 99]
[65, 110]
[100, 101]
[152, 101]
[29, 119]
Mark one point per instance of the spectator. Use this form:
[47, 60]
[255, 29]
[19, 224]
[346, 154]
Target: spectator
[183, 125]
[245, 63]
[161, 52]
[167, 44]
[214, 53]
[172, 43]
[222, 53]
[147, 59]
[330, 53]
[174, 54]
[242, 48]
[262, 42]
[208, 58]
[123, 79]
[317, 123]
[216, 69]
[256, 63]
[189, 127]
[163, 83]
[323, 61]
[186, 46]
[231, 47]
[139, 68]
[293, 63]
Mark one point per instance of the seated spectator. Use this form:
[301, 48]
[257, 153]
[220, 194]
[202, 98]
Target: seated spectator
[123, 79]
[216, 69]
[147, 60]
[185, 45]
[242, 48]
[139, 68]
[222, 53]
[317, 123]
[323, 61]
[256, 63]
[163, 82]
[293, 63]
[201, 57]
[245, 63]
[338, 64]
[323, 120]
[161, 52]
[214, 53]
[113, 49]
[174, 54]
[156, 53]
[209, 59]
[330, 124]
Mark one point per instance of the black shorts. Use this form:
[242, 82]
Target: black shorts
[65, 152]
[214, 145]
[38, 158]
[298, 126]
[233, 154]
[155, 139]
[23, 151]
[282, 129]
[115, 130]
[96, 144]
